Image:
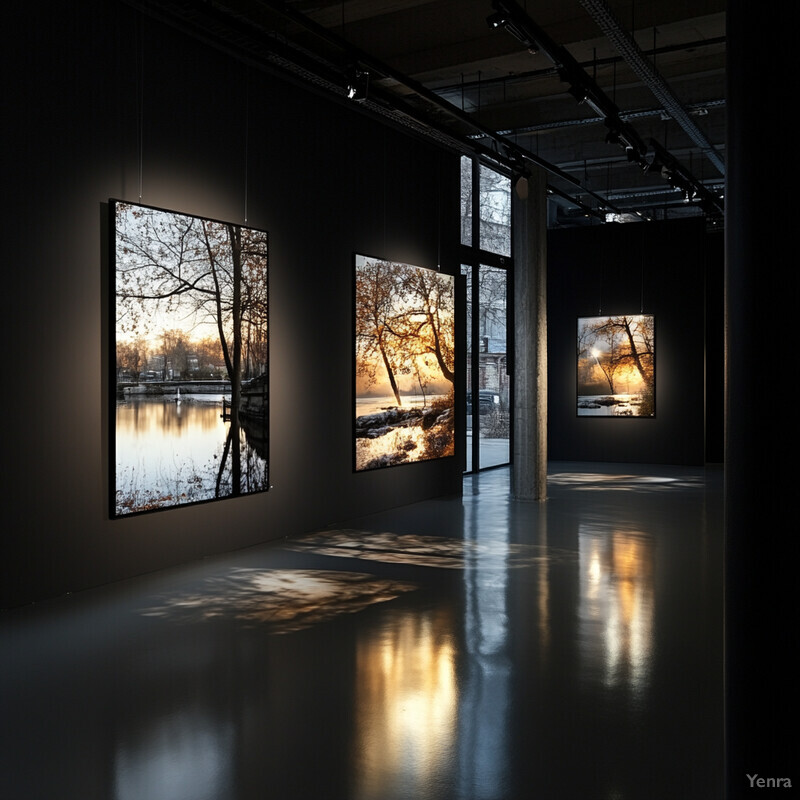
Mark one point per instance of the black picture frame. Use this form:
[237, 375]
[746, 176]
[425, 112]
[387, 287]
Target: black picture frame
[189, 359]
[404, 375]
[616, 371]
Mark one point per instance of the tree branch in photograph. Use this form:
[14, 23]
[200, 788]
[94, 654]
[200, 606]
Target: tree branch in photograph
[376, 342]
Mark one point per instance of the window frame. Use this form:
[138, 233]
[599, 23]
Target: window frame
[476, 258]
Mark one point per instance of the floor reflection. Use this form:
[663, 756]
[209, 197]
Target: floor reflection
[606, 482]
[406, 706]
[286, 600]
[469, 648]
[617, 606]
[183, 755]
[483, 758]
[427, 551]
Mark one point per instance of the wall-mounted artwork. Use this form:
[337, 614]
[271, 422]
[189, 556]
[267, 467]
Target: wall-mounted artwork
[616, 366]
[189, 377]
[404, 363]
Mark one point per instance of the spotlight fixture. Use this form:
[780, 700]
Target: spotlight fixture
[625, 137]
[652, 163]
[503, 19]
[580, 93]
[357, 84]
[496, 20]
[515, 158]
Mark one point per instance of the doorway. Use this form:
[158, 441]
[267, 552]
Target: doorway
[486, 265]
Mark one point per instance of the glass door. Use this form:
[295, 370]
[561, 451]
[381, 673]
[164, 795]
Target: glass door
[486, 246]
[493, 405]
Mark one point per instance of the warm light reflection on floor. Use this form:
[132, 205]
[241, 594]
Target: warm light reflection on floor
[425, 551]
[589, 481]
[286, 600]
[617, 606]
[543, 603]
[406, 701]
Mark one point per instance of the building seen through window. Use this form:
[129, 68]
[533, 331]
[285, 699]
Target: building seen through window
[486, 236]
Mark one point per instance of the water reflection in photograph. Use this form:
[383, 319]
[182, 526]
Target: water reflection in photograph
[170, 453]
[191, 359]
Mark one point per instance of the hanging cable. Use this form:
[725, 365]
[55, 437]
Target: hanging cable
[246, 137]
[439, 216]
[384, 193]
[641, 296]
[140, 101]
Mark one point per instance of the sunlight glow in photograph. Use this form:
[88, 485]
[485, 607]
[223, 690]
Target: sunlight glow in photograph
[616, 366]
[404, 334]
[190, 349]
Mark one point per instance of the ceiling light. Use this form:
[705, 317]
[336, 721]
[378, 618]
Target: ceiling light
[578, 92]
[501, 19]
[357, 84]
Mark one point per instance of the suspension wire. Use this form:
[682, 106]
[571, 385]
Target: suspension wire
[246, 139]
[140, 103]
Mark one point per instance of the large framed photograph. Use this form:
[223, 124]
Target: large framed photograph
[404, 332]
[190, 359]
[616, 366]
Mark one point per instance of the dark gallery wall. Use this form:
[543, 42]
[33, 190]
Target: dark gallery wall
[657, 268]
[761, 598]
[105, 103]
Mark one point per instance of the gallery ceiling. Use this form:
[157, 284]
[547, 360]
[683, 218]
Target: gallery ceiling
[621, 102]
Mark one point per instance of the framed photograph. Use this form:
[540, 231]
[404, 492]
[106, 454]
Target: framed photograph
[190, 371]
[404, 342]
[616, 366]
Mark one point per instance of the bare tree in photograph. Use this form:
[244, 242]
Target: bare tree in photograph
[619, 351]
[598, 343]
[255, 317]
[377, 335]
[175, 351]
[201, 271]
[632, 338]
[176, 275]
[210, 360]
[638, 349]
[131, 357]
[404, 338]
[428, 318]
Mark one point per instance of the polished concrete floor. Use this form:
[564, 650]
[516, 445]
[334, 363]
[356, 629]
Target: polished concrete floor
[472, 648]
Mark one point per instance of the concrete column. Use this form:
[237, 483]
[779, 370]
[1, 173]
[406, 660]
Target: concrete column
[529, 224]
[761, 441]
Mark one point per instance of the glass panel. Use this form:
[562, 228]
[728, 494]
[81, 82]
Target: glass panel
[466, 200]
[495, 211]
[466, 270]
[493, 402]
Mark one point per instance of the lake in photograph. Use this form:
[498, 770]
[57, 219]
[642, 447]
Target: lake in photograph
[190, 322]
[618, 405]
[171, 453]
[404, 344]
[616, 366]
